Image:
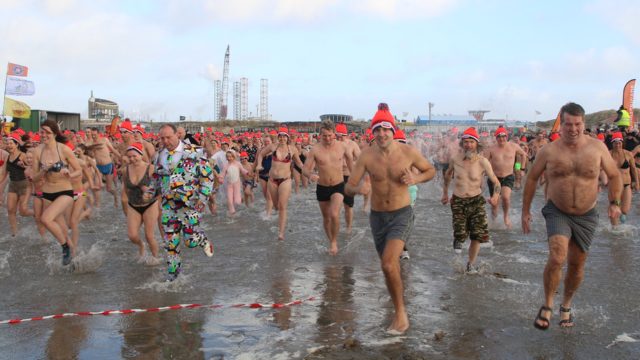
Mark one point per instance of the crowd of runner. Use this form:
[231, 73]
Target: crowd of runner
[169, 180]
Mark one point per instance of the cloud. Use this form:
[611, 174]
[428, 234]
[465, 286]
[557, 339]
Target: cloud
[404, 9]
[622, 15]
[286, 12]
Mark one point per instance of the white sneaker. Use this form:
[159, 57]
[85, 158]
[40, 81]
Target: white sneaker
[405, 255]
[208, 248]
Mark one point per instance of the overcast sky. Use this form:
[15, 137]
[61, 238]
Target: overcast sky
[160, 58]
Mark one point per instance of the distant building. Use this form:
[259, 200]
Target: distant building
[66, 120]
[102, 110]
[439, 123]
[337, 118]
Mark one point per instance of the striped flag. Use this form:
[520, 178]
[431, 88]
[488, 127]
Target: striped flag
[17, 70]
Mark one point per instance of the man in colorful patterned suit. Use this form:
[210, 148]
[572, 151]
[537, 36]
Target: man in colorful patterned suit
[185, 182]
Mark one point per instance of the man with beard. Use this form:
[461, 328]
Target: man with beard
[467, 202]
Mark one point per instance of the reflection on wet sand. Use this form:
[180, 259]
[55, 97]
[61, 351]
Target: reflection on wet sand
[164, 335]
[67, 338]
[336, 314]
[281, 288]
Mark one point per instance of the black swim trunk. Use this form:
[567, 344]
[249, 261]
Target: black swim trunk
[348, 200]
[441, 166]
[323, 193]
[391, 225]
[507, 181]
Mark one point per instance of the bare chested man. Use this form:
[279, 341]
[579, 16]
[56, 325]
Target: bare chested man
[536, 144]
[354, 150]
[467, 202]
[328, 156]
[104, 163]
[572, 165]
[502, 157]
[389, 162]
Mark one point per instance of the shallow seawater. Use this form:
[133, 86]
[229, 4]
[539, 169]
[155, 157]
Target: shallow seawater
[453, 315]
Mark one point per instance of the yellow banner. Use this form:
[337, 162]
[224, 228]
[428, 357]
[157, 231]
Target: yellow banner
[16, 109]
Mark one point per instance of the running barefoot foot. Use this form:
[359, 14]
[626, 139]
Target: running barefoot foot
[349, 230]
[399, 325]
[281, 237]
[507, 223]
[333, 250]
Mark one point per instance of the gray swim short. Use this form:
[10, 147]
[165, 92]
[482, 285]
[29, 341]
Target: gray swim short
[579, 228]
[390, 225]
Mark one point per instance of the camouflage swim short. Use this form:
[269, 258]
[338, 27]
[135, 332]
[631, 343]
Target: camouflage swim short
[469, 219]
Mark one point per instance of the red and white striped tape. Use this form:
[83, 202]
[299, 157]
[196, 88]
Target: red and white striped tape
[157, 309]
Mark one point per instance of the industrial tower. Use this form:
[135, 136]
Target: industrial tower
[264, 99]
[236, 100]
[244, 98]
[222, 90]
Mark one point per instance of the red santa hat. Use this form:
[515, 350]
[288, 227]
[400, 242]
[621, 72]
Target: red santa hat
[283, 131]
[136, 146]
[500, 131]
[617, 136]
[15, 136]
[471, 133]
[341, 129]
[126, 126]
[383, 118]
[400, 136]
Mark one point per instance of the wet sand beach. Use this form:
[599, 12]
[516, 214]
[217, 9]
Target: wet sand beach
[453, 315]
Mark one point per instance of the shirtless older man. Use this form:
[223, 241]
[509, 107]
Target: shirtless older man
[502, 157]
[572, 165]
[104, 163]
[389, 163]
[328, 156]
[467, 202]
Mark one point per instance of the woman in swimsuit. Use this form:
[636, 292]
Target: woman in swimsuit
[142, 202]
[280, 175]
[627, 168]
[18, 193]
[297, 174]
[80, 184]
[36, 192]
[57, 164]
[262, 175]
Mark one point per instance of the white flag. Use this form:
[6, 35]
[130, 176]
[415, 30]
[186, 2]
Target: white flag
[17, 86]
